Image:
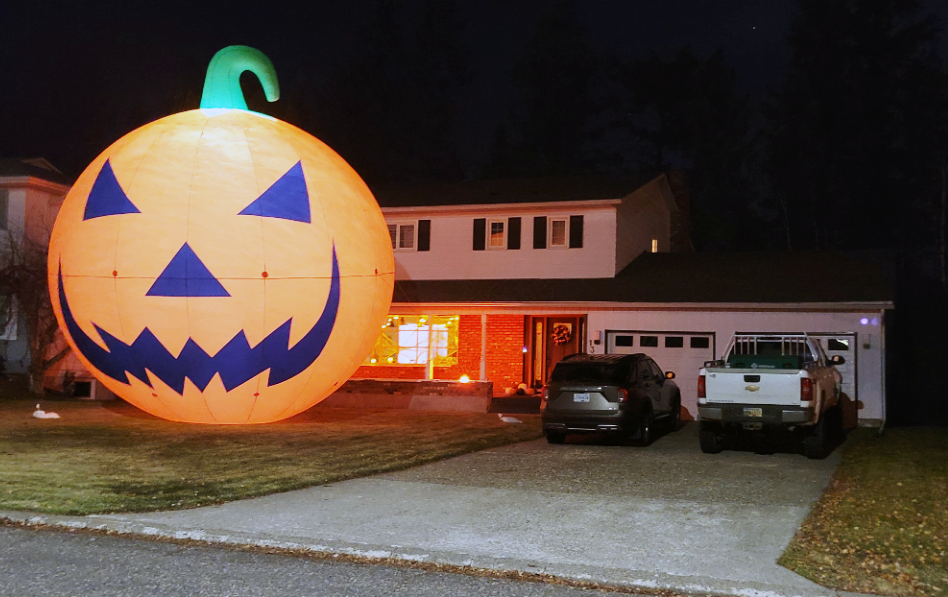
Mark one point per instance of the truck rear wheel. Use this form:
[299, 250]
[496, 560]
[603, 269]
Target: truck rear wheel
[711, 439]
[814, 444]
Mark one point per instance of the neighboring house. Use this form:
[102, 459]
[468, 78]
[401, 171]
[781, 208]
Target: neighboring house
[498, 280]
[31, 193]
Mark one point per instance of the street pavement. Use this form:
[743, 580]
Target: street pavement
[57, 564]
[664, 516]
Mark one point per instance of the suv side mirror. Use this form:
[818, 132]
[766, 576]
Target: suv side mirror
[669, 375]
[837, 359]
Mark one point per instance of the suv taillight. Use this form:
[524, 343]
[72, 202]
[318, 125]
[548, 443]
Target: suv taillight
[806, 389]
[544, 397]
[623, 395]
[702, 390]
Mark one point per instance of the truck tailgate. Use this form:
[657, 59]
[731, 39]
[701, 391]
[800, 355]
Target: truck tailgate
[753, 386]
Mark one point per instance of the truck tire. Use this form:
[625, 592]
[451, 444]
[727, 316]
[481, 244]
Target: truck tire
[711, 439]
[814, 444]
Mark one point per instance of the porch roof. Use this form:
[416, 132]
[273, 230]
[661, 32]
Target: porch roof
[851, 277]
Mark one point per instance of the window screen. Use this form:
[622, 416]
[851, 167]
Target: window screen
[557, 233]
[406, 236]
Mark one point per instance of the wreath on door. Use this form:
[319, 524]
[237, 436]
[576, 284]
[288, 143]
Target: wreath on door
[561, 334]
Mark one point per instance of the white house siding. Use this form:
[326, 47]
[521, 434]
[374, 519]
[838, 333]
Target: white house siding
[452, 256]
[868, 368]
[642, 216]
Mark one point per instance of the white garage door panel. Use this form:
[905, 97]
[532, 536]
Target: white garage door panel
[681, 352]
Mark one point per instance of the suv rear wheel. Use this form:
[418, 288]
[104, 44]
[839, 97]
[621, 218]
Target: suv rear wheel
[555, 437]
[647, 427]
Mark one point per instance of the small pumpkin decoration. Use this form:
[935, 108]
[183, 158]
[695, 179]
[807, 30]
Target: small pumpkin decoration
[220, 265]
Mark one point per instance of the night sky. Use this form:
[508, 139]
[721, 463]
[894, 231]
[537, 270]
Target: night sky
[79, 75]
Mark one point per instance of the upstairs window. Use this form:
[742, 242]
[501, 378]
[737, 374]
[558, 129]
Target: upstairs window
[410, 236]
[498, 233]
[558, 232]
[498, 236]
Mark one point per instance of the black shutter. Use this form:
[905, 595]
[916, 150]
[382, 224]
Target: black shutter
[576, 232]
[480, 232]
[539, 232]
[513, 233]
[424, 235]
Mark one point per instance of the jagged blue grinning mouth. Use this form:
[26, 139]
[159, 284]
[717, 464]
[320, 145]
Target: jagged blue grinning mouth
[237, 362]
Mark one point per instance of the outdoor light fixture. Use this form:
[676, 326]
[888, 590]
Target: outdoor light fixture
[465, 379]
[220, 265]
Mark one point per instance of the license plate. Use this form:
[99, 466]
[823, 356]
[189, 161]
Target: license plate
[581, 397]
[753, 412]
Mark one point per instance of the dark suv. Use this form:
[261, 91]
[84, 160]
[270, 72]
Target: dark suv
[621, 395]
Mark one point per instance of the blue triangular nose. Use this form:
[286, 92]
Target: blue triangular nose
[186, 275]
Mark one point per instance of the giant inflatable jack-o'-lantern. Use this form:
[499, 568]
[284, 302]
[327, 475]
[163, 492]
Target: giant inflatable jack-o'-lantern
[219, 265]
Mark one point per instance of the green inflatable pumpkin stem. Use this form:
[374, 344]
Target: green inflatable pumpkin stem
[222, 85]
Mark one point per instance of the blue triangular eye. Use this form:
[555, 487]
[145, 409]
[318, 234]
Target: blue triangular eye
[107, 197]
[286, 199]
[186, 275]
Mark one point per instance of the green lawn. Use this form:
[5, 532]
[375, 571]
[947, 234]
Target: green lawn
[110, 457]
[882, 525]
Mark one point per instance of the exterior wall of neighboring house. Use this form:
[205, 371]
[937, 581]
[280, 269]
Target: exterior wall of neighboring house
[643, 222]
[28, 208]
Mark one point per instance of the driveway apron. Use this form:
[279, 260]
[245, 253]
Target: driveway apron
[664, 516]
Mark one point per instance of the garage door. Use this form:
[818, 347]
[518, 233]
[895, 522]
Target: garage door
[681, 352]
[845, 346]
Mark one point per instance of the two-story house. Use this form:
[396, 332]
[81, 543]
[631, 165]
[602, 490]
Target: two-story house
[31, 193]
[498, 280]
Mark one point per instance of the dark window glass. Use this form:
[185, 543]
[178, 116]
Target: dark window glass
[656, 371]
[539, 232]
[611, 373]
[674, 341]
[643, 373]
[625, 340]
[648, 340]
[834, 344]
[480, 232]
[575, 232]
[513, 233]
[424, 235]
[699, 342]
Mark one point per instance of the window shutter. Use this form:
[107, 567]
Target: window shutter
[513, 233]
[576, 232]
[480, 232]
[424, 235]
[539, 232]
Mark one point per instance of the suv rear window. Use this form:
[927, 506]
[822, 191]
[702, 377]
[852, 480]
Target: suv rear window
[609, 373]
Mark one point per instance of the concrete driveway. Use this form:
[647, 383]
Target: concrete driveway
[665, 516]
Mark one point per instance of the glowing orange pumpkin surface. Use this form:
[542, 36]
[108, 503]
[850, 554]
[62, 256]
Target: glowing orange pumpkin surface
[220, 266]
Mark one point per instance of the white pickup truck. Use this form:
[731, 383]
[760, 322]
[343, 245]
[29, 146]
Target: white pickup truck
[767, 382]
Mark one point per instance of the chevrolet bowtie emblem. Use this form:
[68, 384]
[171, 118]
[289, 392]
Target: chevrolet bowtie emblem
[752, 388]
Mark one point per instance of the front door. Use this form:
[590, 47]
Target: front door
[552, 339]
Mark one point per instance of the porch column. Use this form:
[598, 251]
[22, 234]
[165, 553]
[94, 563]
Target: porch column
[429, 365]
[483, 346]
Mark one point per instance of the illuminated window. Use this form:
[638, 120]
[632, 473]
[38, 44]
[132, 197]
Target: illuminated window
[404, 341]
[558, 234]
[497, 234]
[654, 245]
